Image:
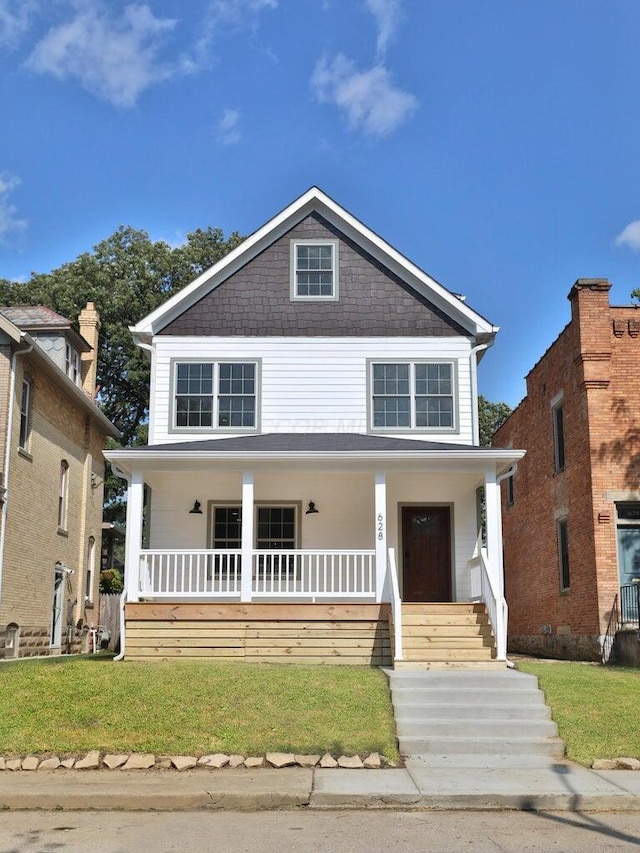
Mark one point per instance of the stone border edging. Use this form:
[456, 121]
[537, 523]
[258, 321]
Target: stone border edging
[95, 760]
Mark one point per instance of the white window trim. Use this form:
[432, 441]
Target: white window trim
[25, 412]
[216, 362]
[221, 504]
[91, 569]
[63, 497]
[413, 429]
[72, 363]
[294, 270]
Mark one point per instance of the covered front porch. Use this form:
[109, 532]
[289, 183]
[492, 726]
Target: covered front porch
[235, 533]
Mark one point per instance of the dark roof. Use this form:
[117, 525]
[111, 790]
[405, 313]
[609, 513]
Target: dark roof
[29, 317]
[309, 442]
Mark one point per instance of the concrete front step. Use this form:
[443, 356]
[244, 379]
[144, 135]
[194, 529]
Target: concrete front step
[469, 712]
[470, 745]
[449, 665]
[465, 712]
[478, 729]
[467, 680]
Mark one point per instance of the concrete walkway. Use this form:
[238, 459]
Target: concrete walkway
[548, 786]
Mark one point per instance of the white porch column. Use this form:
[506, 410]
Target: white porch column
[380, 532]
[133, 540]
[494, 553]
[247, 536]
[494, 530]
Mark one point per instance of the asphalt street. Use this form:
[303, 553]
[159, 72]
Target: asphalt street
[316, 832]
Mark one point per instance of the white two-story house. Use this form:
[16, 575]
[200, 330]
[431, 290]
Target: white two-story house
[309, 492]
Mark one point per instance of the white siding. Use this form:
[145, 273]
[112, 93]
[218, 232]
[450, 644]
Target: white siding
[309, 384]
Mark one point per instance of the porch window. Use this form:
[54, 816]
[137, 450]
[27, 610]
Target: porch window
[413, 395]
[276, 527]
[211, 395]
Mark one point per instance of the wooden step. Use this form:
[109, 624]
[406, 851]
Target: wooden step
[450, 665]
[446, 642]
[445, 619]
[447, 630]
[449, 654]
[443, 607]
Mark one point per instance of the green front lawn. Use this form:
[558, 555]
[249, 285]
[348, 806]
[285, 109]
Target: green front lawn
[71, 705]
[596, 707]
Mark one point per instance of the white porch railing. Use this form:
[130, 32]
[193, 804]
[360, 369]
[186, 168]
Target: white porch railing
[483, 588]
[275, 574]
[172, 574]
[396, 604]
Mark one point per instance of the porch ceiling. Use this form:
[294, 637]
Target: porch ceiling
[315, 452]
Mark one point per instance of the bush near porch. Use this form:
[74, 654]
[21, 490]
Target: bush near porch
[595, 707]
[71, 705]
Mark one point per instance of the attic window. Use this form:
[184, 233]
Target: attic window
[314, 269]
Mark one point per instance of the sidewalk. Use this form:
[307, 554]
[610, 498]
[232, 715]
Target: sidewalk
[420, 785]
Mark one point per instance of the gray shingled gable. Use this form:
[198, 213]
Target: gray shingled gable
[309, 442]
[255, 300]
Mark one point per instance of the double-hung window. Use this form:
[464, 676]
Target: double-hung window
[413, 395]
[215, 395]
[314, 269]
[72, 364]
[25, 414]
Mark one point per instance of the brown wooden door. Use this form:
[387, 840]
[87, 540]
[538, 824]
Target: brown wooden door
[426, 553]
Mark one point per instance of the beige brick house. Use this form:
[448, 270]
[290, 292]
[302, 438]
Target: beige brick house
[571, 513]
[51, 439]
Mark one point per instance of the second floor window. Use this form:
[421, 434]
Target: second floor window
[25, 414]
[413, 396]
[72, 364]
[215, 395]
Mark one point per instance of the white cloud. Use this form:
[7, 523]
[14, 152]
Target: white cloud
[229, 128]
[368, 99]
[387, 15]
[238, 12]
[9, 221]
[114, 56]
[630, 236]
[15, 19]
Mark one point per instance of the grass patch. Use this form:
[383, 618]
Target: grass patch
[595, 707]
[70, 705]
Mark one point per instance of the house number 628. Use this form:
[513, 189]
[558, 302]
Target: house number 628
[380, 526]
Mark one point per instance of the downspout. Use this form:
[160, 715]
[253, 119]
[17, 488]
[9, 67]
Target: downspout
[123, 596]
[473, 369]
[7, 452]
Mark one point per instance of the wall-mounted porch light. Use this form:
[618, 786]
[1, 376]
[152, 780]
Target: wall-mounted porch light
[196, 509]
[312, 509]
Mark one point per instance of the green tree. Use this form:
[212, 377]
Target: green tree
[127, 276]
[490, 417]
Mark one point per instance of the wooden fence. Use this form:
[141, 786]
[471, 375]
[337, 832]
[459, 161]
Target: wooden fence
[110, 619]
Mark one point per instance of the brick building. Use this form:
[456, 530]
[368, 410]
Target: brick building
[571, 512]
[51, 439]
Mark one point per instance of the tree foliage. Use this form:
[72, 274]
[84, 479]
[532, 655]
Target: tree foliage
[490, 417]
[127, 276]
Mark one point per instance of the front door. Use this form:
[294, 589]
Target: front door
[426, 553]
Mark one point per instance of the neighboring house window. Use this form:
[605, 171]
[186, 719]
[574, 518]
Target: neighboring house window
[413, 396]
[563, 553]
[558, 437]
[91, 567]
[314, 269]
[510, 493]
[25, 413]
[72, 364]
[215, 395]
[63, 495]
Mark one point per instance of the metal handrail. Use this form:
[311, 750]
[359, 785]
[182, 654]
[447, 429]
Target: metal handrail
[610, 633]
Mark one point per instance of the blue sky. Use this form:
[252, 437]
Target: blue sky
[494, 142]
